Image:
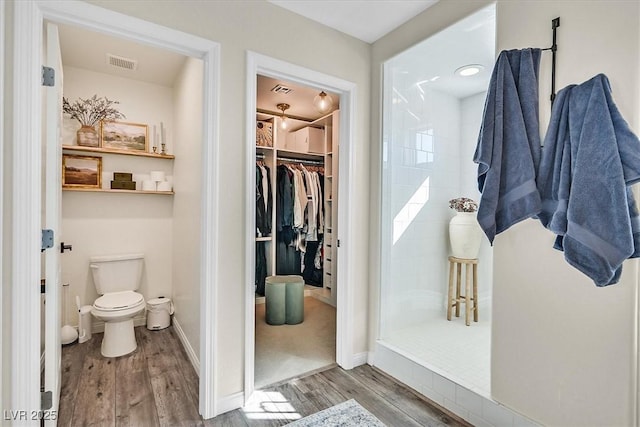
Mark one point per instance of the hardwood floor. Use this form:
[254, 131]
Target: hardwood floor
[157, 386]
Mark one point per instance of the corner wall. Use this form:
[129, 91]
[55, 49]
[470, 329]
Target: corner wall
[187, 204]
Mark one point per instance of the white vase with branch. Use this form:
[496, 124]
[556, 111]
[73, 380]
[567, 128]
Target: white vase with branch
[89, 112]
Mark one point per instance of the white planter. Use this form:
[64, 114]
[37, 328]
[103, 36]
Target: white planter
[465, 235]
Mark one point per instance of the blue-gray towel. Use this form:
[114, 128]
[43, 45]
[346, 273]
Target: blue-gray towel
[589, 160]
[508, 150]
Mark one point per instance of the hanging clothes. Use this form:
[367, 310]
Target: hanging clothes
[261, 267]
[299, 199]
[264, 201]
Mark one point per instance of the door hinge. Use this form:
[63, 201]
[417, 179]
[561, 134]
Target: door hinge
[338, 243]
[48, 76]
[47, 239]
[46, 400]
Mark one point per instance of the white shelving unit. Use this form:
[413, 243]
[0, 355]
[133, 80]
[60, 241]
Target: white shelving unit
[285, 146]
[108, 153]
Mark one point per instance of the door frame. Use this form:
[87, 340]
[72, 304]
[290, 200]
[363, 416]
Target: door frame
[258, 64]
[26, 165]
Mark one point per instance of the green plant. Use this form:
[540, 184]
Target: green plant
[90, 111]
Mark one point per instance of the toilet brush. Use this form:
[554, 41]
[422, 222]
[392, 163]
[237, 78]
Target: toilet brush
[68, 334]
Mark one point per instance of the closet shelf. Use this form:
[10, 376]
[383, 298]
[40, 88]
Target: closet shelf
[107, 190]
[263, 239]
[125, 152]
[328, 176]
[300, 155]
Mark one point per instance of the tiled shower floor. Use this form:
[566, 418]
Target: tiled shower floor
[461, 353]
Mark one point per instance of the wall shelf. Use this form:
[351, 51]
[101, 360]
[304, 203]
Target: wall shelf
[108, 190]
[125, 152]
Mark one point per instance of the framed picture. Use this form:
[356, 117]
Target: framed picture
[121, 136]
[81, 171]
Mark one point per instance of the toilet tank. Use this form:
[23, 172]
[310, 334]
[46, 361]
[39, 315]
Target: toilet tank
[116, 273]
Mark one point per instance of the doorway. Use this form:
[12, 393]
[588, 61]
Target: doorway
[259, 65]
[27, 162]
[296, 221]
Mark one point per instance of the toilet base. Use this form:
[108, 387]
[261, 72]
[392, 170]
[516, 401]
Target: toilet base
[119, 338]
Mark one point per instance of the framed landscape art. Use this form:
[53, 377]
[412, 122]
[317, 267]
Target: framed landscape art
[122, 136]
[81, 171]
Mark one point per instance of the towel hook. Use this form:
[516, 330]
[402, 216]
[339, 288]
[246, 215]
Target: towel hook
[555, 23]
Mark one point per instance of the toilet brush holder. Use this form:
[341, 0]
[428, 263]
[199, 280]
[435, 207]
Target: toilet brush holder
[84, 324]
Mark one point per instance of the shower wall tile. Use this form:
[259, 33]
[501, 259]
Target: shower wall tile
[496, 414]
[477, 409]
[469, 400]
[444, 387]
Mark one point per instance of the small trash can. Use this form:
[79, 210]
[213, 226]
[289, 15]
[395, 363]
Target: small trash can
[159, 311]
[84, 323]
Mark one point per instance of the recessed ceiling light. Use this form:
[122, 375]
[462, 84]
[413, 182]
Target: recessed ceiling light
[469, 70]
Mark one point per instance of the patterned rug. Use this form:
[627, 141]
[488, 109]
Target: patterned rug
[345, 414]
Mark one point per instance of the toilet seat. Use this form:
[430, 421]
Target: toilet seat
[117, 301]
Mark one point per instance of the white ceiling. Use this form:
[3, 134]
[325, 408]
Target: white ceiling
[469, 41]
[367, 20]
[472, 40]
[87, 49]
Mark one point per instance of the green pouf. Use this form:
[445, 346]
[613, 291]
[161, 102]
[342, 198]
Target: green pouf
[284, 300]
[275, 301]
[294, 312]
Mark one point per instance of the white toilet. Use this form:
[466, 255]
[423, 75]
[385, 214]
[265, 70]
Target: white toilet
[116, 278]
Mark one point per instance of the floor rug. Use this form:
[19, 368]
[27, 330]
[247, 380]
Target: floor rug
[345, 414]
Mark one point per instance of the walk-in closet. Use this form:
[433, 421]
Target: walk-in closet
[296, 221]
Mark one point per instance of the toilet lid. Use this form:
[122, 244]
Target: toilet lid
[118, 300]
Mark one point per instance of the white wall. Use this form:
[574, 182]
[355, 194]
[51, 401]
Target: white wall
[266, 29]
[108, 223]
[187, 101]
[563, 351]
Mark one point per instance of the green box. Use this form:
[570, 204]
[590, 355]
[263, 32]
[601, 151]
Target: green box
[123, 185]
[122, 176]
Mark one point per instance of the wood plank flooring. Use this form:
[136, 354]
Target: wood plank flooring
[157, 386]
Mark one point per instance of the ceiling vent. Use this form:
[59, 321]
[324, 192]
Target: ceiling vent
[121, 62]
[281, 89]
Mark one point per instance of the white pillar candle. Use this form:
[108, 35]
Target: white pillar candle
[155, 137]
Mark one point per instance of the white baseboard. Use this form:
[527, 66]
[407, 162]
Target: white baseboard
[360, 358]
[191, 354]
[230, 403]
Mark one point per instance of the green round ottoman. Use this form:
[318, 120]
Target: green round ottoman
[274, 292]
[294, 299]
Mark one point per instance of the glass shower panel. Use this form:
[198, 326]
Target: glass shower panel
[431, 120]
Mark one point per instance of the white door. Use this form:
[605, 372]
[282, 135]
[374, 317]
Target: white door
[53, 195]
